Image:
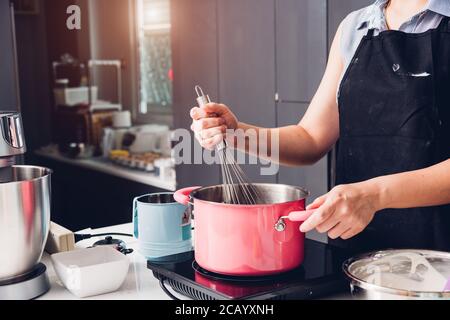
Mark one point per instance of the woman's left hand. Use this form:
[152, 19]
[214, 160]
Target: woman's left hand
[343, 212]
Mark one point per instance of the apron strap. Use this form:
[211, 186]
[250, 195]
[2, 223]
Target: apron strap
[445, 24]
[370, 33]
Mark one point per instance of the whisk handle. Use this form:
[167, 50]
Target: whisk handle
[202, 100]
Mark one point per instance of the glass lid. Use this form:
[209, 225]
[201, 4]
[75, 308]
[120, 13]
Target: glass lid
[405, 270]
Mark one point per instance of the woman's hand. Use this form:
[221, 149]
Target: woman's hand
[211, 122]
[345, 211]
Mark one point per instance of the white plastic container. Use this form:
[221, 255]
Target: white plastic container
[122, 119]
[92, 271]
[74, 96]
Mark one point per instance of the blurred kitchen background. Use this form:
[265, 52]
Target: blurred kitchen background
[99, 104]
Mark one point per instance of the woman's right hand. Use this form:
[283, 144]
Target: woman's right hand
[211, 122]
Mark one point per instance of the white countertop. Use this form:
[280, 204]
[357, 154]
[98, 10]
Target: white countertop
[140, 283]
[101, 165]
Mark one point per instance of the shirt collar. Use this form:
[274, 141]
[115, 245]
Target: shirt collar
[373, 18]
[441, 7]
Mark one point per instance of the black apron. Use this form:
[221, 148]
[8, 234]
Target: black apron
[394, 113]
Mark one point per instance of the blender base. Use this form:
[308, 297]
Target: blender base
[29, 286]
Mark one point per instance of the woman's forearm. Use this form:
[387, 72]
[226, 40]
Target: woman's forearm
[291, 145]
[420, 188]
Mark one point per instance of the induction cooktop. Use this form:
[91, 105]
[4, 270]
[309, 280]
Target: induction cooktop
[319, 275]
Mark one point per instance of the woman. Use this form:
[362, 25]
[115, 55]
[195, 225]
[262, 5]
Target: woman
[390, 65]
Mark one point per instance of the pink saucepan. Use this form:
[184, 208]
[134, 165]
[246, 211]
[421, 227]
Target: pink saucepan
[248, 240]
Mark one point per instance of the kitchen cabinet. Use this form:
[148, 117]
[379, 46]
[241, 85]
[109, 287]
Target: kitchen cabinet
[301, 46]
[8, 76]
[247, 59]
[194, 54]
[246, 38]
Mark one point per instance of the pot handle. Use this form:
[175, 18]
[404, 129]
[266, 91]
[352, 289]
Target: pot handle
[182, 195]
[300, 215]
[135, 218]
[297, 216]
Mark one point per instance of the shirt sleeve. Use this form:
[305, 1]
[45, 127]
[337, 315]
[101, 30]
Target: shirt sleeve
[352, 34]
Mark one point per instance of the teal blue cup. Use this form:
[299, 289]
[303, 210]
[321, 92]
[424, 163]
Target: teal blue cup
[161, 225]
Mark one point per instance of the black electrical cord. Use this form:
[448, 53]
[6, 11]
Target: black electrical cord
[166, 291]
[79, 236]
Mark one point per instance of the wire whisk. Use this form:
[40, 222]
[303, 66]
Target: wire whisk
[237, 188]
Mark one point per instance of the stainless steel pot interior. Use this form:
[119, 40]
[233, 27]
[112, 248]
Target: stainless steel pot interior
[270, 193]
[354, 270]
[158, 198]
[24, 219]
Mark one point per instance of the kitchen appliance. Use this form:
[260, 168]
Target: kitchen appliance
[319, 276]
[70, 83]
[399, 275]
[79, 115]
[78, 131]
[138, 140]
[11, 143]
[69, 72]
[150, 138]
[25, 216]
[260, 247]
[77, 89]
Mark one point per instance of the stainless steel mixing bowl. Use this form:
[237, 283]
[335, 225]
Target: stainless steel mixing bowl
[24, 219]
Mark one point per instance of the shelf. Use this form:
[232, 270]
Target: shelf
[104, 166]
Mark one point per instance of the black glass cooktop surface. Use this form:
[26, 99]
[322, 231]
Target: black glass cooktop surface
[319, 275]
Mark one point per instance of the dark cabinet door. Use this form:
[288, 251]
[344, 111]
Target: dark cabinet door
[301, 42]
[194, 54]
[7, 55]
[338, 10]
[247, 59]
[247, 64]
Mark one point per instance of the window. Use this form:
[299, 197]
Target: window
[155, 57]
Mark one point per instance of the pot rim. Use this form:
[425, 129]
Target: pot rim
[158, 204]
[303, 190]
[48, 171]
[399, 292]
